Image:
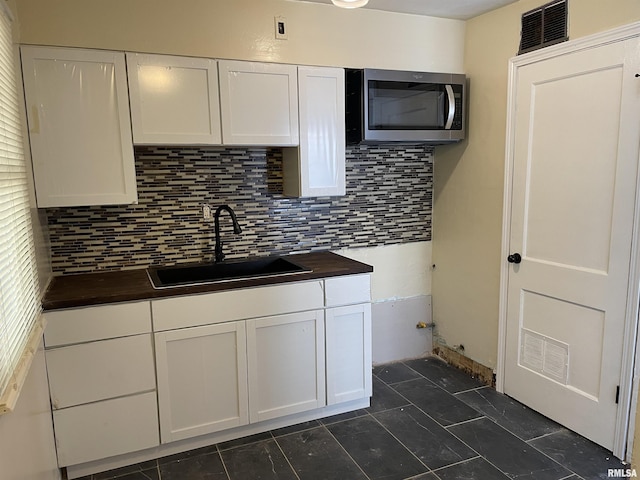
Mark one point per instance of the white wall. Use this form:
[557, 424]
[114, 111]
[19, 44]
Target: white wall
[244, 29]
[401, 294]
[399, 271]
[26, 435]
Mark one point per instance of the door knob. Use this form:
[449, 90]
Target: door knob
[514, 258]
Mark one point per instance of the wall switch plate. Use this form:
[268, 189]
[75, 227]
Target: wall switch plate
[280, 24]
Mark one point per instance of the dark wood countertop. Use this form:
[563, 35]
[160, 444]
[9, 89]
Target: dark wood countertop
[128, 285]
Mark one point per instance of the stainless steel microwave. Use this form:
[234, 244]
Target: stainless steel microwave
[384, 106]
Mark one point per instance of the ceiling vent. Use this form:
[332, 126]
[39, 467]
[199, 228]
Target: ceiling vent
[544, 26]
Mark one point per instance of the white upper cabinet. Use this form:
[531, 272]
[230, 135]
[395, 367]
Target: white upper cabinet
[174, 100]
[79, 126]
[259, 103]
[317, 168]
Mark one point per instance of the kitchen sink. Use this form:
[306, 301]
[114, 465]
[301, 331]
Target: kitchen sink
[204, 273]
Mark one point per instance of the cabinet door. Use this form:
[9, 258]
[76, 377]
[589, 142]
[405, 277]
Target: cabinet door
[317, 168]
[202, 380]
[348, 353]
[259, 103]
[79, 127]
[174, 100]
[286, 364]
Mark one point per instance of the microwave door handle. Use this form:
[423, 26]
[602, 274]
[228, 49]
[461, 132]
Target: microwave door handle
[452, 107]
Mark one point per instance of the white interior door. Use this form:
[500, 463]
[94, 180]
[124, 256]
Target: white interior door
[575, 156]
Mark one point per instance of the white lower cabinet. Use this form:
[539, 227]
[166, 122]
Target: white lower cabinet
[202, 380]
[286, 364]
[223, 360]
[216, 377]
[348, 344]
[101, 381]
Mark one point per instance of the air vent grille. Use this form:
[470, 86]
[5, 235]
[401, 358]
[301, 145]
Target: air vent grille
[544, 26]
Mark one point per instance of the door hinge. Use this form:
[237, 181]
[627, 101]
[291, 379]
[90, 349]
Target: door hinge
[617, 393]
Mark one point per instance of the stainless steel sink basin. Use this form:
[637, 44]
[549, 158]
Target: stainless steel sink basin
[204, 273]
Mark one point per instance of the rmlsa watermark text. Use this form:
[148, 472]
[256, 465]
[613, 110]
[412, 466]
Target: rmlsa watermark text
[622, 473]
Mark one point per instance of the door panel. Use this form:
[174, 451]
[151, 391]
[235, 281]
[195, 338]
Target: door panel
[258, 103]
[563, 195]
[286, 364]
[348, 349]
[560, 320]
[202, 380]
[572, 212]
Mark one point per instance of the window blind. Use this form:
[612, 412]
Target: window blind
[19, 290]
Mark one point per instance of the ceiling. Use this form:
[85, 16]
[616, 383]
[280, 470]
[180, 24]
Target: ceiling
[458, 9]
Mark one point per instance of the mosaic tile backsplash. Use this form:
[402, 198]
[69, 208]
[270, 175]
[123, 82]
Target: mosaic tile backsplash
[388, 201]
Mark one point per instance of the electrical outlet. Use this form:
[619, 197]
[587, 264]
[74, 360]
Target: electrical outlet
[281, 28]
[206, 212]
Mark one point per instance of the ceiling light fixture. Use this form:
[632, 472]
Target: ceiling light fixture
[350, 3]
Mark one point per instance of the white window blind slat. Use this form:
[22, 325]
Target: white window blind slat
[19, 291]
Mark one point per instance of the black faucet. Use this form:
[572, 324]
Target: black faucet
[236, 229]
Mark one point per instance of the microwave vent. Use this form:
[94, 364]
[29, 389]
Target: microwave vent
[544, 26]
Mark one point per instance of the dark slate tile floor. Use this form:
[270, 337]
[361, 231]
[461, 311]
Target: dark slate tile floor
[427, 421]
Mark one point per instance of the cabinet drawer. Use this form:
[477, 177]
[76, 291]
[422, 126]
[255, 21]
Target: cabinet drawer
[99, 370]
[181, 312]
[103, 429]
[347, 290]
[79, 325]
